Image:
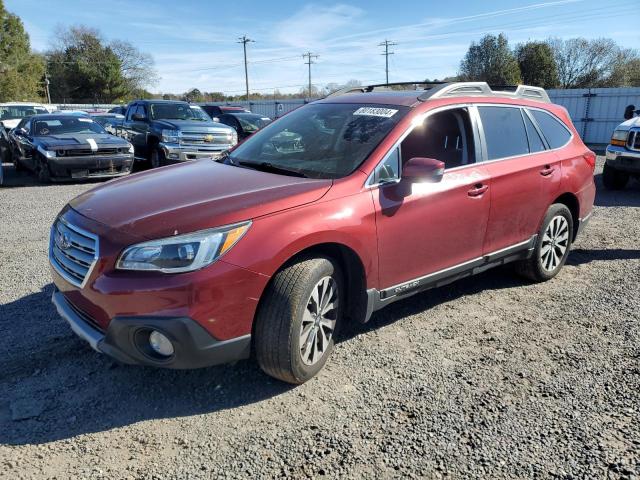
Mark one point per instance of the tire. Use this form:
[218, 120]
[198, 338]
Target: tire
[613, 179]
[42, 170]
[157, 157]
[285, 320]
[552, 246]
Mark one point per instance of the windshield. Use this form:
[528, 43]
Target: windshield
[251, 123]
[200, 114]
[19, 111]
[325, 140]
[64, 125]
[172, 111]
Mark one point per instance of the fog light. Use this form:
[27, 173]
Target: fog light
[174, 156]
[160, 344]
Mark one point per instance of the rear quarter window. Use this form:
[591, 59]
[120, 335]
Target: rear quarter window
[556, 132]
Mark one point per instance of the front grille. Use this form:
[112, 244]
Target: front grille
[83, 152]
[196, 138]
[633, 141]
[72, 252]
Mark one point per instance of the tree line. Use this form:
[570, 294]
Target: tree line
[553, 63]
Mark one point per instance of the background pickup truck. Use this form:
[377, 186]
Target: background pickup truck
[165, 132]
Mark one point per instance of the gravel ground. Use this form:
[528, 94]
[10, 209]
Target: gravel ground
[487, 377]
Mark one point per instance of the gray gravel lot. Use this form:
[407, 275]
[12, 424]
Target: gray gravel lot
[487, 377]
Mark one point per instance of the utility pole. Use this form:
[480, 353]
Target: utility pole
[386, 44]
[244, 40]
[46, 86]
[309, 56]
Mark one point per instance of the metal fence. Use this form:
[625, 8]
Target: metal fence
[595, 111]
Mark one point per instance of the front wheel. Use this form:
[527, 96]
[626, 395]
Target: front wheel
[552, 246]
[613, 179]
[298, 318]
[157, 157]
[42, 170]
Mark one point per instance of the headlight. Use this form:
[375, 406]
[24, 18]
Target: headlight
[182, 253]
[233, 137]
[47, 153]
[130, 148]
[171, 136]
[619, 137]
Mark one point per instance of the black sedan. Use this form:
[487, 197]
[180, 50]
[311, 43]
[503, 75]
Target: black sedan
[59, 147]
[244, 123]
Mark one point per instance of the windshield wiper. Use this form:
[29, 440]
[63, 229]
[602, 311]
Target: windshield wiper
[270, 167]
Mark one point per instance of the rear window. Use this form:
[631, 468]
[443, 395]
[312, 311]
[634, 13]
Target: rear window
[504, 132]
[556, 133]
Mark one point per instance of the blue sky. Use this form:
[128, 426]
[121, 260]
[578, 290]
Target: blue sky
[194, 42]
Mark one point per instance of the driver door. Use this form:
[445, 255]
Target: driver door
[426, 228]
[24, 144]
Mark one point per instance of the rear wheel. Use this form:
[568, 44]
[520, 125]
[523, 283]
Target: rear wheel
[552, 246]
[157, 157]
[613, 179]
[298, 319]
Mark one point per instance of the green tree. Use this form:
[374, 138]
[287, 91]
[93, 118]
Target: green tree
[491, 61]
[21, 71]
[537, 65]
[193, 95]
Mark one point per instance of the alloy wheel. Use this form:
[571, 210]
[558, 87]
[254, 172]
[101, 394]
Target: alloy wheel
[555, 242]
[319, 320]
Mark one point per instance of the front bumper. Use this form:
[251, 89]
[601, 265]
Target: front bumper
[174, 152]
[90, 166]
[623, 159]
[126, 339]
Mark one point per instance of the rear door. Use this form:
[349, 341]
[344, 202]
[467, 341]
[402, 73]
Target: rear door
[525, 175]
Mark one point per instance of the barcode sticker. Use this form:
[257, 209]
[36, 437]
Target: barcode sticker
[376, 112]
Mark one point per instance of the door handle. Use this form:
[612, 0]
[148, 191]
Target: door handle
[547, 170]
[477, 190]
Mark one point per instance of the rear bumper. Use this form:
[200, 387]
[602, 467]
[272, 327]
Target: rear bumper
[126, 339]
[185, 153]
[90, 166]
[622, 159]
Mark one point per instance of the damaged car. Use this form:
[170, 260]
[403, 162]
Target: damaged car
[68, 147]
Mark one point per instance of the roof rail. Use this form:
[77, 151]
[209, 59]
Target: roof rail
[457, 89]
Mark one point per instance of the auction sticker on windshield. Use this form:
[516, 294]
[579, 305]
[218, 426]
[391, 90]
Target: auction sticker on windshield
[376, 112]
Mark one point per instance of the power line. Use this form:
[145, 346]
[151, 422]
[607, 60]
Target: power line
[309, 56]
[244, 40]
[386, 44]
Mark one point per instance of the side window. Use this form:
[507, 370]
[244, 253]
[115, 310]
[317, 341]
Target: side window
[556, 133]
[389, 168]
[446, 136]
[535, 142]
[142, 110]
[27, 126]
[132, 110]
[504, 132]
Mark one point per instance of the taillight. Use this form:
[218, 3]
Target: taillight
[590, 157]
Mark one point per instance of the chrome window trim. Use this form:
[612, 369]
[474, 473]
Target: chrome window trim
[479, 130]
[54, 262]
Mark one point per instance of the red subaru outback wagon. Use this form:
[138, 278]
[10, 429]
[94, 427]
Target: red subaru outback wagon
[331, 212]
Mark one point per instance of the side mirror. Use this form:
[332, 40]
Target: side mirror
[138, 117]
[418, 170]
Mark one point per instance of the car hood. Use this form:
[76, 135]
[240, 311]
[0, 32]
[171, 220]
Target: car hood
[191, 126]
[11, 122]
[80, 140]
[193, 196]
[629, 124]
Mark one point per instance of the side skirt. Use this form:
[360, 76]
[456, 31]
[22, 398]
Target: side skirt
[377, 299]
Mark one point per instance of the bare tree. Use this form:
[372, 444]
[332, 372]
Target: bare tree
[584, 63]
[137, 67]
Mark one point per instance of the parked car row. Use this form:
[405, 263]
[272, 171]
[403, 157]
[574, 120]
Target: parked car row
[326, 215]
[159, 132]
